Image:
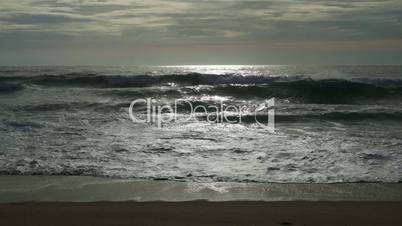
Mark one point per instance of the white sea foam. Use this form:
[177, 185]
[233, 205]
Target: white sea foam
[350, 131]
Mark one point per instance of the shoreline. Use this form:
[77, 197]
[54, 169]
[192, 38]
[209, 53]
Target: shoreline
[83, 200]
[203, 213]
[17, 189]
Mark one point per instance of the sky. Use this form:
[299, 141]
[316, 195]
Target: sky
[156, 32]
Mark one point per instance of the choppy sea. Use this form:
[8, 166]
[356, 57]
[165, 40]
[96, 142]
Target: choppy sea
[332, 123]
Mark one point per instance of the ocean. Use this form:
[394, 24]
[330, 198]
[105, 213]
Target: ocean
[332, 123]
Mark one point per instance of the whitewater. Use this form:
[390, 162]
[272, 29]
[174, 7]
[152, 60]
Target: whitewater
[332, 123]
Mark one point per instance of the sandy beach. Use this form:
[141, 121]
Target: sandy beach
[60, 200]
[203, 213]
[24, 189]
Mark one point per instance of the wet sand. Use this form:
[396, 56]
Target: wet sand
[92, 189]
[202, 213]
[48, 200]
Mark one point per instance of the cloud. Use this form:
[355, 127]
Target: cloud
[210, 19]
[80, 23]
[43, 19]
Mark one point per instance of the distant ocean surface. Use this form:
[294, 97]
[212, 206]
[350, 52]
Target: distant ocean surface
[333, 123]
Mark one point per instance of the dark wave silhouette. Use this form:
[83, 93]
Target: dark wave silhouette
[316, 91]
[297, 88]
[10, 88]
[137, 80]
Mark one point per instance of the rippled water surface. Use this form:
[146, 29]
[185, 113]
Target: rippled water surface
[333, 123]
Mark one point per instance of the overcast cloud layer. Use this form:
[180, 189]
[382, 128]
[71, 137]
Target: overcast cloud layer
[65, 32]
